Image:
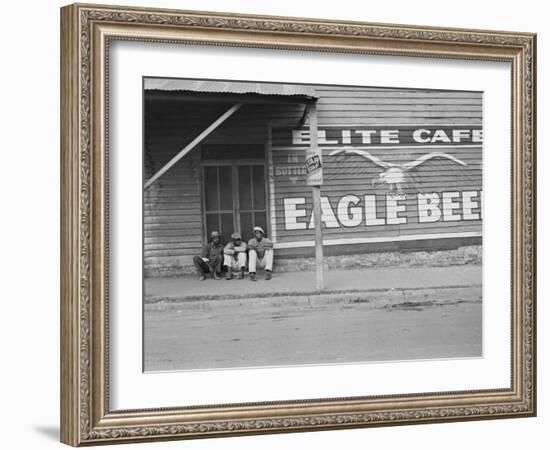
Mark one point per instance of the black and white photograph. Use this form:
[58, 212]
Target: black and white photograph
[293, 224]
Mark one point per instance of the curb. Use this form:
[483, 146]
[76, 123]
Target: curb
[336, 296]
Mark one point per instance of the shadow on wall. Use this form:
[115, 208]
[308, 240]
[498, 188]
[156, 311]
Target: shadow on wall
[49, 431]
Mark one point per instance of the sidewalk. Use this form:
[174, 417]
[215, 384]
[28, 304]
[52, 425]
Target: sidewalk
[299, 283]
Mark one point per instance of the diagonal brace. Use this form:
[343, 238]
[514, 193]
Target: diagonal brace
[192, 144]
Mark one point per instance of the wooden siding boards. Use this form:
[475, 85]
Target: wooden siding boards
[173, 218]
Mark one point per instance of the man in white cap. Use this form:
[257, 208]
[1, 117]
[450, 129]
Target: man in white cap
[211, 259]
[260, 248]
[234, 256]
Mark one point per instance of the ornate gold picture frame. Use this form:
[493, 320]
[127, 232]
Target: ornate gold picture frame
[87, 31]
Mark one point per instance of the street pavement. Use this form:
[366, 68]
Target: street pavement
[364, 316]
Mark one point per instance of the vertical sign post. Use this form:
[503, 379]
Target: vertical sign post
[314, 168]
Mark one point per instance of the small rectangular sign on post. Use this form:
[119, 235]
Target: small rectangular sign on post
[314, 167]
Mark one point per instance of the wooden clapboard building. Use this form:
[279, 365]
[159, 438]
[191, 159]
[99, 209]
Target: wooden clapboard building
[401, 168]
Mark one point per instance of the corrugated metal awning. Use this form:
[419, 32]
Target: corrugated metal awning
[230, 87]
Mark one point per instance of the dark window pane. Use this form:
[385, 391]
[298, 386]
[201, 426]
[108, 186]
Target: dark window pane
[226, 188]
[246, 225]
[211, 188]
[260, 220]
[245, 198]
[212, 224]
[227, 226]
[258, 185]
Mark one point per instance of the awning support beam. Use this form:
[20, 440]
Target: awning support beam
[184, 151]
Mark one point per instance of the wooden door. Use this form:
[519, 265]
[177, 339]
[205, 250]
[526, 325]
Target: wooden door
[235, 198]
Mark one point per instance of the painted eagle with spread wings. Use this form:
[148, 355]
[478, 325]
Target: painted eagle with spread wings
[398, 176]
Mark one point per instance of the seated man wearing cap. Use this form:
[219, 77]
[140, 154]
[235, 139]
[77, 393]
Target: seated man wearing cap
[234, 256]
[211, 259]
[260, 248]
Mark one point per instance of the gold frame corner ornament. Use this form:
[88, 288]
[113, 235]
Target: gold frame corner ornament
[86, 31]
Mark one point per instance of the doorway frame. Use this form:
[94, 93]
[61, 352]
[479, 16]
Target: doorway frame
[235, 163]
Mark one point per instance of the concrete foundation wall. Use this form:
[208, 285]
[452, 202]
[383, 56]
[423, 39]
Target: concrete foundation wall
[471, 254]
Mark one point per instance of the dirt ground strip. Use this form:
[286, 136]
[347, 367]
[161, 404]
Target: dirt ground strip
[294, 329]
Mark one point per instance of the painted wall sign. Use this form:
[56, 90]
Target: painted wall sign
[368, 210]
[290, 168]
[380, 136]
[396, 176]
[387, 182]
